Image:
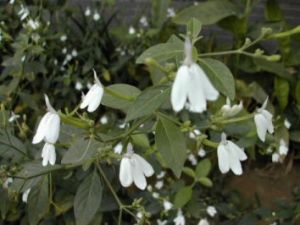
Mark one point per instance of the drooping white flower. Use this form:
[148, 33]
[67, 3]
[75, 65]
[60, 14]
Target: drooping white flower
[287, 124]
[13, 117]
[63, 38]
[203, 222]
[78, 86]
[192, 159]
[179, 219]
[149, 188]
[279, 155]
[193, 134]
[167, 205]
[283, 149]
[161, 175]
[104, 119]
[48, 154]
[159, 184]
[118, 148]
[7, 182]
[74, 53]
[211, 211]
[25, 195]
[275, 157]
[131, 30]
[23, 12]
[134, 169]
[263, 122]
[49, 126]
[230, 111]
[155, 195]
[191, 85]
[34, 24]
[87, 11]
[170, 12]
[96, 16]
[144, 21]
[93, 98]
[202, 152]
[229, 156]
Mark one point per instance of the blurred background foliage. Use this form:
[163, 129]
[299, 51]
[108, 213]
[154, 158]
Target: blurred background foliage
[52, 46]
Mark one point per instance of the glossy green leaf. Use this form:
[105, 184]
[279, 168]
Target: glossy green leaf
[170, 143]
[183, 196]
[88, 199]
[38, 204]
[120, 96]
[220, 76]
[208, 12]
[148, 101]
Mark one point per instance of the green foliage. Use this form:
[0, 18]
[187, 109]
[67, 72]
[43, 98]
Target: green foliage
[137, 64]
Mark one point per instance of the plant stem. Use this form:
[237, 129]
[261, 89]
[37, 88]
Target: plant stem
[209, 143]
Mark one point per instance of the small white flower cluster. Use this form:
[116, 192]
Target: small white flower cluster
[279, 155]
[88, 12]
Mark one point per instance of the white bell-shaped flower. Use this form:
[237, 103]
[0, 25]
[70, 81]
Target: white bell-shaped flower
[134, 169]
[167, 205]
[49, 126]
[263, 122]
[203, 222]
[48, 154]
[229, 156]
[191, 85]
[230, 111]
[211, 210]
[179, 219]
[94, 96]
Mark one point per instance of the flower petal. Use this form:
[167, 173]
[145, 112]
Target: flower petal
[223, 159]
[261, 126]
[146, 167]
[235, 164]
[42, 129]
[239, 151]
[137, 174]
[97, 97]
[125, 174]
[268, 117]
[195, 91]
[180, 88]
[210, 92]
[52, 128]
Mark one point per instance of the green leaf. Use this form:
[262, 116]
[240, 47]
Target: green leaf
[172, 49]
[88, 199]
[207, 13]
[81, 151]
[203, 168]
[140, 140]
[220, 76]
[205, 181]
[148, 101]
[170, 143]
[33, 169]
[183, 196]
[38, 204]
[188, 171]
[120, 96]
[281, 89]
[4, 203]
[194, 27]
